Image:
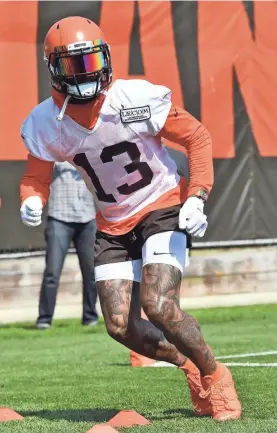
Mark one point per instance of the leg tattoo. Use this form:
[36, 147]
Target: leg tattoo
[152, 343]
[160, 291]
[115, 299]
[121, 309]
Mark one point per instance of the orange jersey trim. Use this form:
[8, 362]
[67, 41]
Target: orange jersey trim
[36, 179]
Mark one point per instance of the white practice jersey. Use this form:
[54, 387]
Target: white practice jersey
[121, 159]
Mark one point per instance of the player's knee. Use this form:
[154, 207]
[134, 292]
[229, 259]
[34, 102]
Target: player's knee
[118, 329]
[156, 311]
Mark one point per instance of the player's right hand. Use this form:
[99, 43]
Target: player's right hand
[31, 211]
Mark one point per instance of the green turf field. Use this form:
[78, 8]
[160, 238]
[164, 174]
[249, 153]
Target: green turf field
[69, 378]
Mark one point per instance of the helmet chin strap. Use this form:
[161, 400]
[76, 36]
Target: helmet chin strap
[87, 90]
[60, 116]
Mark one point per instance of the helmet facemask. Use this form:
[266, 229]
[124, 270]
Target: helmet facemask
[82, 69]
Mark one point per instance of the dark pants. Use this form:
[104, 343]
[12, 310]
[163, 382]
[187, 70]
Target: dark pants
[58, 236]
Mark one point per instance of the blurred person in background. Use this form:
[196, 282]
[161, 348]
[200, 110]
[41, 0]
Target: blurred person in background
[71, 218]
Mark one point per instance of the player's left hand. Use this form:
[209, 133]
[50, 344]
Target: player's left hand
[192, 217]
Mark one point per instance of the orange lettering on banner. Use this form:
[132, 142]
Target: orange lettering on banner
[18, 73]
[156, 41]
[158, 50]
[226, 43]
[158, 46]
[116, 22]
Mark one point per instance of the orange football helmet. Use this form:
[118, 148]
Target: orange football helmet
[78, 58]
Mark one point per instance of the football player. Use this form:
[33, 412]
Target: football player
[111, 131]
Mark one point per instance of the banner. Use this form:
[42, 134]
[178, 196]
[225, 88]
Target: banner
[219, 59]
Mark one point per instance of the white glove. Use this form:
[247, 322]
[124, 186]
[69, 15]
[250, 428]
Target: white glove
[31, 211]
[191, 217]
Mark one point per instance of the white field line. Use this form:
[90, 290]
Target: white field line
[228, 364]
[247, 355]
[233, 364]
[250, 364]
[161, 364]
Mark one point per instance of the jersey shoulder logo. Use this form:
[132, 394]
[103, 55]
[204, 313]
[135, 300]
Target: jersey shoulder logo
[136, 114]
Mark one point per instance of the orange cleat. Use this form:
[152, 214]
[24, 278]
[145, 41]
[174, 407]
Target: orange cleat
[219, 389]
[200, 400]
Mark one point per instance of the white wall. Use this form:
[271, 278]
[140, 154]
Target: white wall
[215, 277]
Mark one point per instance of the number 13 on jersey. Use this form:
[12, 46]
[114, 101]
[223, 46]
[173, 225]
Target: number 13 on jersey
[107, 155]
